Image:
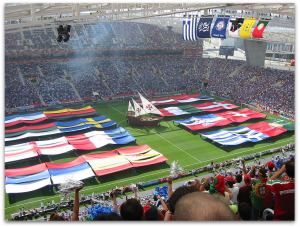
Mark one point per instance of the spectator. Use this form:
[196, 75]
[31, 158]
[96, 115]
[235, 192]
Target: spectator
[108, 217]
[245, 191]
[177, 194]
[244, 211]
[284, 208]
[199, 206]
[151, 213]
[271, 168]
[218, 188]
[234, 190]
[260, 196]
[131, 210]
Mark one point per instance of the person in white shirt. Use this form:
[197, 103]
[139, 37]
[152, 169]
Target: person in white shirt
[235, 190]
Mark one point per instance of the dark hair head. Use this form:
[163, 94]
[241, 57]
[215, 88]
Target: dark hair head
[131, 210]
[56, 217]
[245, 211]
[230, 184]
[238, 178]
[150, 212]
[290, 168]
[177, 194]
[108, 217]
[263, 172]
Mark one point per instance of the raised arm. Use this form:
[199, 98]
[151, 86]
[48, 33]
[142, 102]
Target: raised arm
[278, 174]
[244, 167]
[164, 205]
[170, 189]
[76, 204]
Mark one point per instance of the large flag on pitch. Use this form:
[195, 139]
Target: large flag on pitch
[107, 162]
[31, 118]
[219, 119]
[179, 110]
[251, 133]
[234, 26]
[85, 123]
[70, 113]
[28, 183]
[142, 155]
[96, 139]
[282, 123]
[189, 28]
[215, 106]
[197, 108]
[22, 130]
[78, 172]
[219, 28]
[203, 29]
[245, 31]
[259, 29]
[33, 134]
[178, 99]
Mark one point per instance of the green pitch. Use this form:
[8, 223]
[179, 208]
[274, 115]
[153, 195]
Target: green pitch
[173, 142]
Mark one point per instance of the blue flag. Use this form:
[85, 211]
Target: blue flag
[189, 28]
[203, 29]
[219, 28]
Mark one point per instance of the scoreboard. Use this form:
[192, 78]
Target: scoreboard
[226, 50]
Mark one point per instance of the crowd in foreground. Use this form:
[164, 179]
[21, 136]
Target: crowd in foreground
[258, 192]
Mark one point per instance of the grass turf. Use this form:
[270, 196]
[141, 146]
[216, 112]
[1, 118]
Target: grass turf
[173, 142]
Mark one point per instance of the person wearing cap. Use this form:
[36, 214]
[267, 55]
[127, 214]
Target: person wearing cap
[271, 168]
[260, 197]
[245, 191]
[234, 190]
[284, 190]
[151, 213]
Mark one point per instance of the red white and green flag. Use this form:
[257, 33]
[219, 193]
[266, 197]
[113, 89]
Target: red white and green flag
[259, 29]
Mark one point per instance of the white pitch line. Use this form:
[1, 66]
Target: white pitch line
[163, 138]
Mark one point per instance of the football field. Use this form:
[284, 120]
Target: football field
[177, 144]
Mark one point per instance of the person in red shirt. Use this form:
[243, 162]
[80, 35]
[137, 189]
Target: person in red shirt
[284, 208]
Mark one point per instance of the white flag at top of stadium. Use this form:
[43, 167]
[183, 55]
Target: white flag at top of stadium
[189, 28]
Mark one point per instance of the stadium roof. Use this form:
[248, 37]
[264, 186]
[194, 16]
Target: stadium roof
[37, 15]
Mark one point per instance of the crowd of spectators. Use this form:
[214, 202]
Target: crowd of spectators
[102, 35]
[269, 88]
[261, 191]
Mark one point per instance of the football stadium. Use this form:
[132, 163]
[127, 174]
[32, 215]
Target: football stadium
[146, 111]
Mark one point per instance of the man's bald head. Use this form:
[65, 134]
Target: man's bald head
[201, 206]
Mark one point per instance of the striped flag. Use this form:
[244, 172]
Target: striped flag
[189, 28]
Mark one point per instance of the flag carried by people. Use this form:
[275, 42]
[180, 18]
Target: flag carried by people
[259, 29]
[203, 28]
[246, 27]
[219, 119]
[191, 109]
[234, 26]
[189, 28]
[219, 28]
[250, 133]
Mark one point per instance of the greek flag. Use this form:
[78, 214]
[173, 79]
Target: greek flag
[189, 28]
